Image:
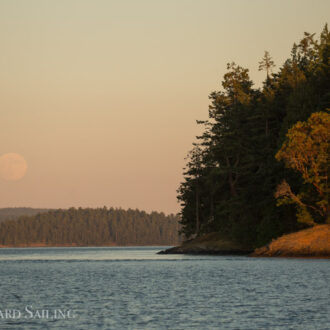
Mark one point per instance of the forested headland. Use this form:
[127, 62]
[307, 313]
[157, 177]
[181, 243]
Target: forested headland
[260, 167]
[91, 227]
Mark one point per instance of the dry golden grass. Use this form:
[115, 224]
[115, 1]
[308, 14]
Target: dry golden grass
[311, 242]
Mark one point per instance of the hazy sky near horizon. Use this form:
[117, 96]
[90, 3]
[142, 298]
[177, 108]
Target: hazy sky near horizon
[101, 97]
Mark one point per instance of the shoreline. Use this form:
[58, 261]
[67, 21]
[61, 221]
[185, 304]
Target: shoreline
[310, 243]
[210, 244]
[22, 246]
[245, 254]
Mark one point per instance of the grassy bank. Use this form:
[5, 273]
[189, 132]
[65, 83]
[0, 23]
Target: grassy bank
[311, 242]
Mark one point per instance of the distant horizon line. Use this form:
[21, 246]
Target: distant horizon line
[86, 207]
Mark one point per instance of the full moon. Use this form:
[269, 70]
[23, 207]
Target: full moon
[12, 166]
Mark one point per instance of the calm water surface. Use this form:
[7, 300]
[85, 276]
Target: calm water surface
[134, 288]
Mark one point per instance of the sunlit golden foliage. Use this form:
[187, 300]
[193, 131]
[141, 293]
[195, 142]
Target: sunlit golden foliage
[306, 150]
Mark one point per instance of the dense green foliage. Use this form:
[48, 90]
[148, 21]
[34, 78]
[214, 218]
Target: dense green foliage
[91, 227]
[232, 174]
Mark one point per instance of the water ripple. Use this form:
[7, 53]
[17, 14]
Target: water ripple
[136, 289]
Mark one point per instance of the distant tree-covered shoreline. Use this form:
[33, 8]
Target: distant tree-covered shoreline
[91, 227]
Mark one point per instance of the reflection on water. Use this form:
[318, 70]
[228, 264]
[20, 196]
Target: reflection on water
[87, 253]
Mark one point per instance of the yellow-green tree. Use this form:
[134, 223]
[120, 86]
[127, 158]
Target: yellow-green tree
[306, 150]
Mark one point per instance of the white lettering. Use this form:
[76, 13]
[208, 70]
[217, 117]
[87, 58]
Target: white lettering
[28, 310]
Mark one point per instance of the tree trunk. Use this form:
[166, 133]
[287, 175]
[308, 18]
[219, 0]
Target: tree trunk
[197, 212]
[231, 179]
[211, 208]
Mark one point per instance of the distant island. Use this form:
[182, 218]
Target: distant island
[88, 227]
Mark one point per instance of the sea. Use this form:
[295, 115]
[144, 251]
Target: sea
[136, 288]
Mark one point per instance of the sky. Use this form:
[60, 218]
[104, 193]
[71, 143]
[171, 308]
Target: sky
[101, 97]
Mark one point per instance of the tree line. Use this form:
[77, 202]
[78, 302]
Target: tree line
[91, 227]
[260, 167]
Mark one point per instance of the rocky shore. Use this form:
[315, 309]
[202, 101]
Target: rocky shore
[308, 243]
[212, 244]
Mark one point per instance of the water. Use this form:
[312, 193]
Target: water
[134, 288]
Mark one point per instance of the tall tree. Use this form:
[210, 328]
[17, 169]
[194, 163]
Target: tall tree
[266, 64]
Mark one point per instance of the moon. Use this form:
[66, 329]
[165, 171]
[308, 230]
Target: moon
[12, 166]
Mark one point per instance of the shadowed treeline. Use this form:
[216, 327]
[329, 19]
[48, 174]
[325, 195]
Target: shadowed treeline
[91, 227]
[232, 177]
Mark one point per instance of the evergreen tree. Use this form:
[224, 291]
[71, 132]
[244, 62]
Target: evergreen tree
[237, 170]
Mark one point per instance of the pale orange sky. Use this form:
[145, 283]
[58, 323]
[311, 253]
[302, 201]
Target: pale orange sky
[101, 97]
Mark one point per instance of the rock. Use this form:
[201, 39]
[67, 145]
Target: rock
[212, 244]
